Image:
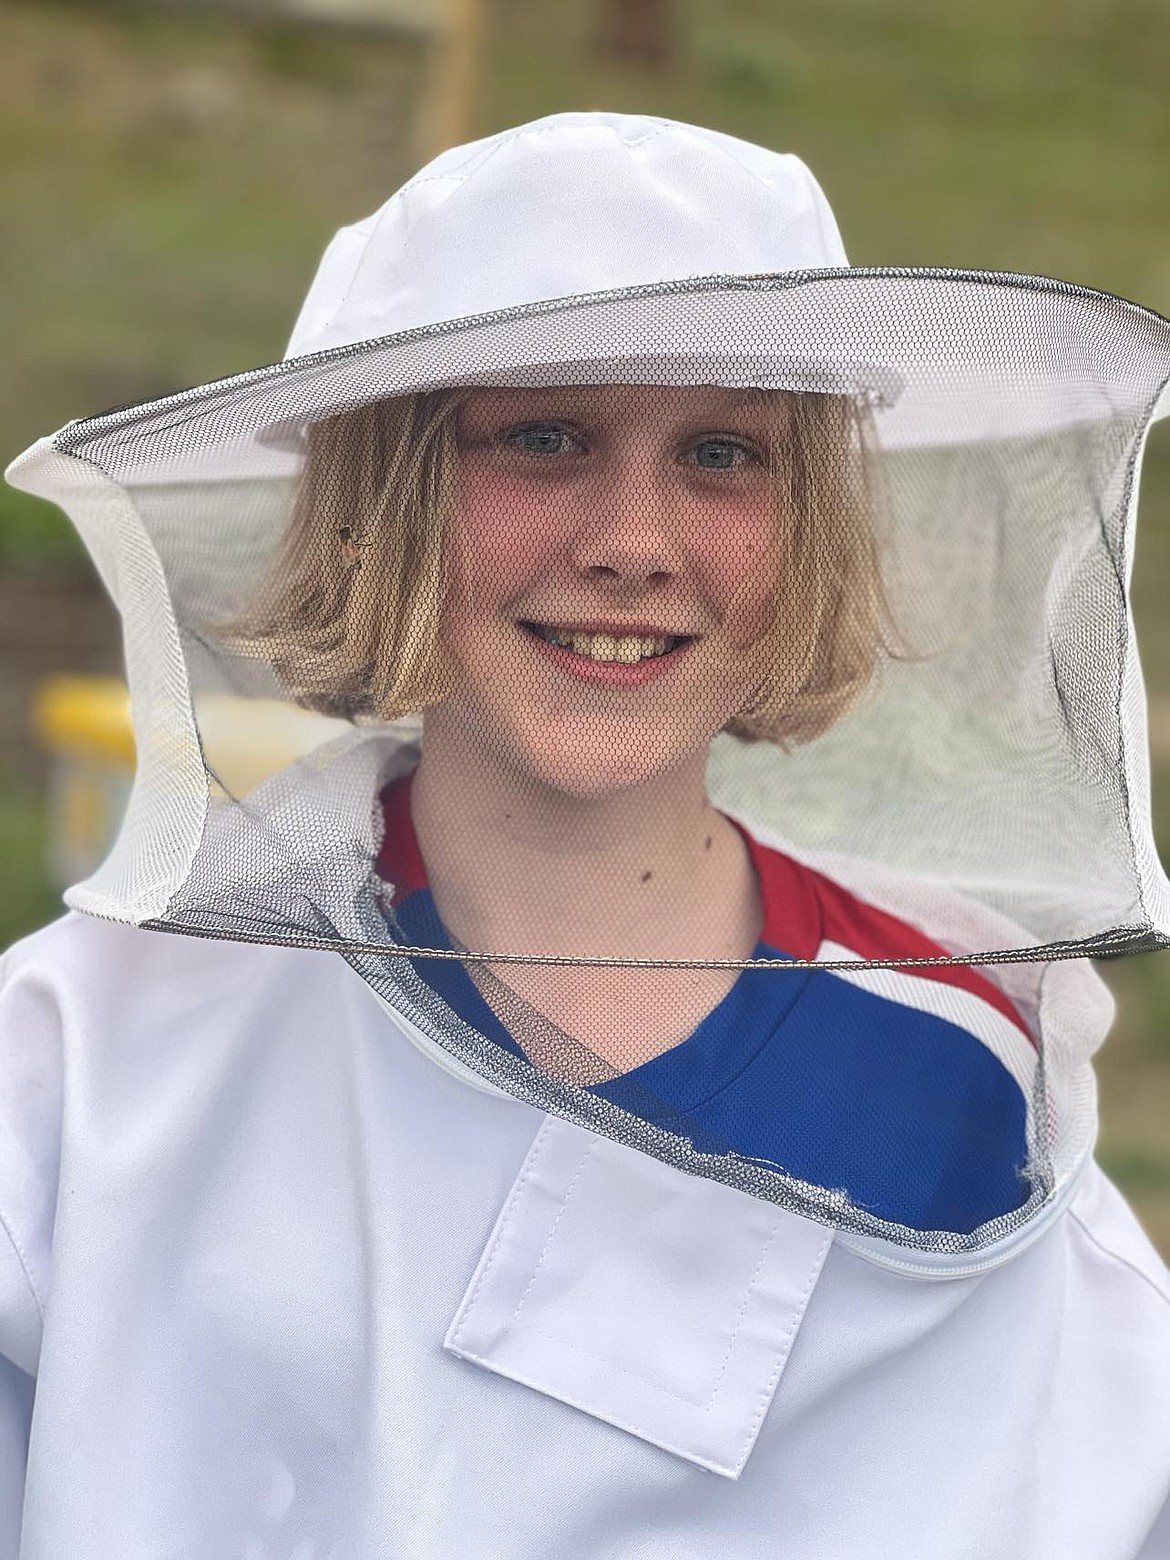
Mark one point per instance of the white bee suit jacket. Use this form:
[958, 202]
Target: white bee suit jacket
[253, 1303]
[299, 1261]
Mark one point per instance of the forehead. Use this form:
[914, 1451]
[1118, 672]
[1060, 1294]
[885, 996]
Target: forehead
[647, 404]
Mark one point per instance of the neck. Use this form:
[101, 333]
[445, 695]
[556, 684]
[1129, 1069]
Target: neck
[517, 865]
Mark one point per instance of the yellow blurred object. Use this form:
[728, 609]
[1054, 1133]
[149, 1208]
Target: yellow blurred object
[84, 723]
[89, 716]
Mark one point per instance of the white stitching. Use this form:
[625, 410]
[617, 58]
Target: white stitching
[782, 1357]
[549, 1239]
[510, 1209]
[601, 1359]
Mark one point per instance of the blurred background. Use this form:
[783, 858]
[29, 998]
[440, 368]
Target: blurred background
[172, 171]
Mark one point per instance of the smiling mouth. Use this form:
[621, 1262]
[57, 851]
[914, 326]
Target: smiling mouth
[625, 649]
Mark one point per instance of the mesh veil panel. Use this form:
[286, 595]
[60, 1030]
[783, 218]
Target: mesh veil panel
[728, 716]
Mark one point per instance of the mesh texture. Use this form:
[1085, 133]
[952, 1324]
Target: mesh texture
[748, 721]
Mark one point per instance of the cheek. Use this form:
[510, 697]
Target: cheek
[502, 541]
[741, 563]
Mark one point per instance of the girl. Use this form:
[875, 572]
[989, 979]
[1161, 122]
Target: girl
[563, 728]
[703, 1088]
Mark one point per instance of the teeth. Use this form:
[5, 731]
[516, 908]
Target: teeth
[626, 651]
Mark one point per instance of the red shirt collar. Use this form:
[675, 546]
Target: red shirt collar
[801, 908]
[793, 921]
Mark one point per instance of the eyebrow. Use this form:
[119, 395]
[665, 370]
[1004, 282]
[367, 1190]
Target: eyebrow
[576, 402]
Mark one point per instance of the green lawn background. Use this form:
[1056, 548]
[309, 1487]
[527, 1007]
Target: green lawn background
[171, 176]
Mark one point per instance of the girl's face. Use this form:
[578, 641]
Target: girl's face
[613, 569]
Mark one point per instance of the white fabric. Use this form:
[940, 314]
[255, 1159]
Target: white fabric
[167, 807]
[560, 1301]
[603, 201]
[245, 1209]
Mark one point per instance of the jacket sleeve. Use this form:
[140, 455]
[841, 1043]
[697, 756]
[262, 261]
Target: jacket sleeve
[16, 1401]
[1157, 1545]
[30, 1129]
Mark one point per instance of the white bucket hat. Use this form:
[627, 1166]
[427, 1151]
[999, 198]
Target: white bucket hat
[572, 205]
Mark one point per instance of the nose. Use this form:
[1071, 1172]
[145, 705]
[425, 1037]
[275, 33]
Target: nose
[631, 535]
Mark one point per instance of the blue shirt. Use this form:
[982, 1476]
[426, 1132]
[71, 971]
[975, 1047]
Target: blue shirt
[907, 1090]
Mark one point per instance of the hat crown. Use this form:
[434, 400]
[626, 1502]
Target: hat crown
[570, 204]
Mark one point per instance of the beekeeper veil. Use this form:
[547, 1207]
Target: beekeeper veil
[594, 465]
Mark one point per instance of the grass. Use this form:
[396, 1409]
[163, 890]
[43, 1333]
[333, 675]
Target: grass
[28, 901]
[171, 178]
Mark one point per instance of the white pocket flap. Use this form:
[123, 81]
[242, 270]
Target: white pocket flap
[658, 1301]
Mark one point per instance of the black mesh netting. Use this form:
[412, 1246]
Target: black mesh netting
[719, 709]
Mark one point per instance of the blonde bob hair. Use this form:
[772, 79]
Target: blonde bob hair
[349, 613]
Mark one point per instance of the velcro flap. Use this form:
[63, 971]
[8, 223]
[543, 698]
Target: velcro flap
[658, 1301]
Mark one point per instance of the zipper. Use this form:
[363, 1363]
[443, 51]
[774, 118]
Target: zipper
[944, 1265]
[438, 1054]
[931, 1266]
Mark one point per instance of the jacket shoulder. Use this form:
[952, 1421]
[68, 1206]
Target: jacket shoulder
[82, 1000]
[1109, 1227]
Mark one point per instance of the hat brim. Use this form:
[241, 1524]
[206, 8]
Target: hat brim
[942, 357]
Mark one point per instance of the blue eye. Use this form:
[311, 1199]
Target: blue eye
[720, 454]
[541, 439]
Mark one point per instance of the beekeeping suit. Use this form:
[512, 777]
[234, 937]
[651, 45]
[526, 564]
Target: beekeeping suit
[335, 1225]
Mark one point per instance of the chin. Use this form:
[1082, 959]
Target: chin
[595, 763]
